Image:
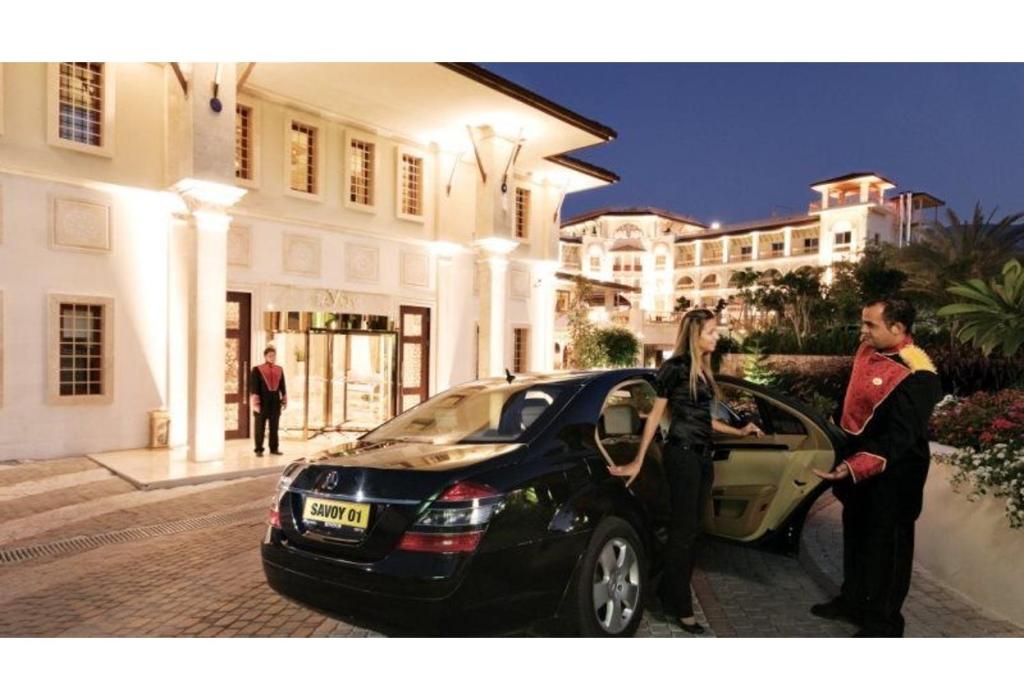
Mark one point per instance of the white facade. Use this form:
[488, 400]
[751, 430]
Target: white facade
[151, 229]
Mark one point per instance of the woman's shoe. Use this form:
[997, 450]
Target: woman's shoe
[695, 628]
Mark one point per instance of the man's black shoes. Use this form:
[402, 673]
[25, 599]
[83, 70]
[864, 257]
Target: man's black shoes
[259, 453]
[834, 609]
[275, 452]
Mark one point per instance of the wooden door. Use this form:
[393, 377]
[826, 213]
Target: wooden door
[414, 356]
[237, 351]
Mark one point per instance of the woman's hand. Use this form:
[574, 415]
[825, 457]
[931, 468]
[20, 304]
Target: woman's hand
[751, 429]
[631, 470]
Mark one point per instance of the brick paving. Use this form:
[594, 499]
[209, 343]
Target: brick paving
[932, 609]
[209, 582]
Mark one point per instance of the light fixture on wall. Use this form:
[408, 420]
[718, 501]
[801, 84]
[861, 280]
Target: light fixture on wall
[215, 103]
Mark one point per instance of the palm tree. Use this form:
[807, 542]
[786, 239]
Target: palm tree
[946, 255]
[993, 314]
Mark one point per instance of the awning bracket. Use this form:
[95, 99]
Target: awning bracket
[476, 153]
[181, 78]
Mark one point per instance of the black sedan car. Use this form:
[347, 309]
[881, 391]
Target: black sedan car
[489, 507]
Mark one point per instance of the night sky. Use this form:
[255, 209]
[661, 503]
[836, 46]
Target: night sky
[734, 142]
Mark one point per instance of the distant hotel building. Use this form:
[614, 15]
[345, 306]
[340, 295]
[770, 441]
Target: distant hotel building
[644, 259]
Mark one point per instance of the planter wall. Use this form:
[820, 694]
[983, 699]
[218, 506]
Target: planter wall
[969, 546]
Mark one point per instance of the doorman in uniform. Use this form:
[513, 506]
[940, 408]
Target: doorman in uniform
[269, 398]
[889, 400]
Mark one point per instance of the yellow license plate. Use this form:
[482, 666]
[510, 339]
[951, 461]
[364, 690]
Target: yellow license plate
[337, 513]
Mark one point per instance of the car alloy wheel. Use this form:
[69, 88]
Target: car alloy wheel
[616, 585]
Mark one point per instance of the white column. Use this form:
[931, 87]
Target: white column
[787, 248]
[493, 301]
[444, 324]
[725, 249]
[755, 243]
[492, 331]
[207, 293]
[865, 192]
[824, 198]
[698, 253]
[542, 331]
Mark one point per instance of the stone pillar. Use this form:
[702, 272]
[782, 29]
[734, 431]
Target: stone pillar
[207, 297]
[445, 324]
[787, 248]
[542, 333]
[755, 245]
[493, 313]
[698, 253]
[725, 249]
[865, 192]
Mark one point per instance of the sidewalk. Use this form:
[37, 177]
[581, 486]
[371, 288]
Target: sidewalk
[931, 609]
[167, 468]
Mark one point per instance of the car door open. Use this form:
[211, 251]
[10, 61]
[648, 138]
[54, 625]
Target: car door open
[759, 481]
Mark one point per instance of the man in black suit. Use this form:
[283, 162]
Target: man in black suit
[269, 398]
[889, 400]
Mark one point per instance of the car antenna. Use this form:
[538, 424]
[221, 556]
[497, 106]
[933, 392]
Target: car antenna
[509, 376]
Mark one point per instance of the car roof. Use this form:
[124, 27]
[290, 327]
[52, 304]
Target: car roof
[572, 377]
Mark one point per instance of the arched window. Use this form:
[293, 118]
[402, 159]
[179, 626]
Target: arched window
[684, 282]
[709, 281]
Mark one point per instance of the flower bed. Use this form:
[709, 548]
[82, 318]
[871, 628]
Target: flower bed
[988, 430]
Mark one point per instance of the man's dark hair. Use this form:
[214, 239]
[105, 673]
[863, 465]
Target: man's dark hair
[269, 349]
[896, 310]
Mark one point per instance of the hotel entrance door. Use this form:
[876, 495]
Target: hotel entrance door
[338, 378]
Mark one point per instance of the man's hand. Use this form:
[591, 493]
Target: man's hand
[751, 429]
[631, 470]
[840, 472]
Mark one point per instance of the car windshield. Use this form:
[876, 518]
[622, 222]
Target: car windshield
[477, 413]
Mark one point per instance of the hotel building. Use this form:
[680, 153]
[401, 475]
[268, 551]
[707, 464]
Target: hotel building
[659, 256]
[392, 229]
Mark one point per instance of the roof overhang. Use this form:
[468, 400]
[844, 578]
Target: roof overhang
[431, 105]
[852, 180]
[597, 284]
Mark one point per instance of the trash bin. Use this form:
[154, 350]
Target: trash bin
[159, 428]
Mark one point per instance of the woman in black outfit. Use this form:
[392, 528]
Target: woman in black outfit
[685, 382]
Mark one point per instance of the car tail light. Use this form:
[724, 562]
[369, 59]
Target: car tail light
[455, 521]
[274, 518]
[467, 491]
[441, 543]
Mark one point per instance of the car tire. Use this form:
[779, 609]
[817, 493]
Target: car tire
[606, 597]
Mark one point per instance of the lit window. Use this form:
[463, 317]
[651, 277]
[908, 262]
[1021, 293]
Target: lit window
[80, 103]
[243, 142]
[80, 357]
[522, 212]
[412, 185]
[360, 183]
[519, 350]
[303, 158]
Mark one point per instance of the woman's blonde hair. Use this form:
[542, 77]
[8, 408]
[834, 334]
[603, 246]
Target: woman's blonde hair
[688, 342]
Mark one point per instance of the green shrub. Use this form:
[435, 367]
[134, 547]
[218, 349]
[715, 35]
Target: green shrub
[618, 346]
